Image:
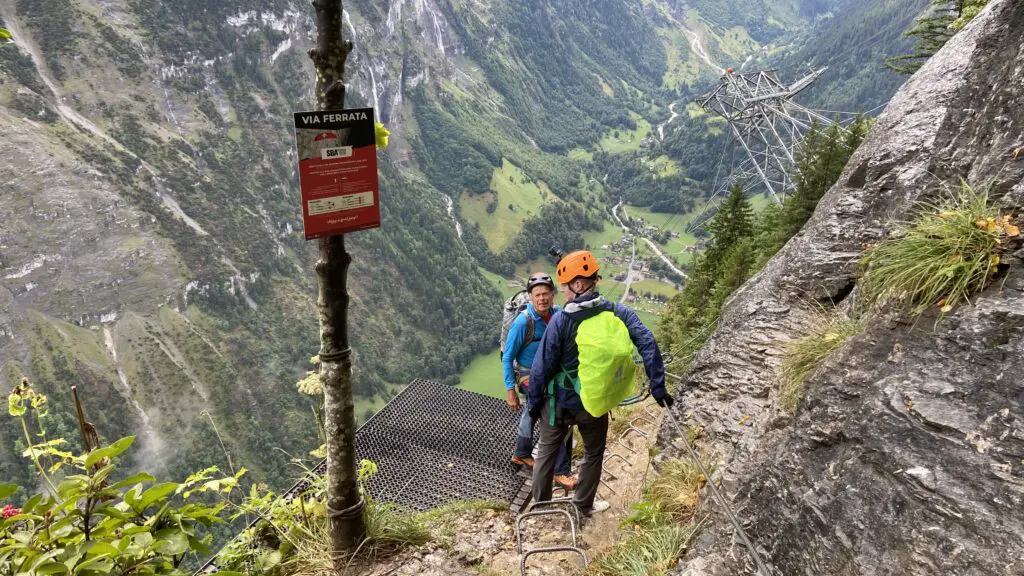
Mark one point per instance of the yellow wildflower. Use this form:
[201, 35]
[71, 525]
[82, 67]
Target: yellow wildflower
[1009, 228]
[987, 224]
[381, 133]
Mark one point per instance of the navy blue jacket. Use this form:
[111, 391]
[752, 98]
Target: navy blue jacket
[558, 350]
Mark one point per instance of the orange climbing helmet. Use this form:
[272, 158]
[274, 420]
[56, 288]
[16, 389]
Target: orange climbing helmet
[576, 264]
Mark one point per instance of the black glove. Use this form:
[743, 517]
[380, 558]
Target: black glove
[535, 411]
[665, 401]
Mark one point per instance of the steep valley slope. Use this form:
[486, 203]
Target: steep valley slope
[151, 250]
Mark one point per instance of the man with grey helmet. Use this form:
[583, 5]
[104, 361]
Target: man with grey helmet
[520, 347]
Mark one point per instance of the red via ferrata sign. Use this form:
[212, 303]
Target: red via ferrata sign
[337, 171]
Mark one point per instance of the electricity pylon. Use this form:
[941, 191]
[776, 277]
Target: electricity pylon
[768, 124]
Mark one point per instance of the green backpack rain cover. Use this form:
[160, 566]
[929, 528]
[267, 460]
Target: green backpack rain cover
[606, 373]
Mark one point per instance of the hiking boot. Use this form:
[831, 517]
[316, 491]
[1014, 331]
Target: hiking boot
[566, 481]
[598, 507]
[522, 461]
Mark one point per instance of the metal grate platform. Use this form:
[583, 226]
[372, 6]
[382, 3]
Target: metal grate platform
[435, 444]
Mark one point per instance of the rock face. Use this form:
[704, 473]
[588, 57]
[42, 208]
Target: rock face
[906, 455]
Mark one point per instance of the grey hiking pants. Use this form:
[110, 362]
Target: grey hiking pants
[594, 432]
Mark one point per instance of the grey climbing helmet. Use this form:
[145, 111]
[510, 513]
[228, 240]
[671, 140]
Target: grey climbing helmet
[539, 279]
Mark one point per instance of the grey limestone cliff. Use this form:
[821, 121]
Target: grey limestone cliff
[906, 455]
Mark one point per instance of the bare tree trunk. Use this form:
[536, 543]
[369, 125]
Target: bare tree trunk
[344, 504]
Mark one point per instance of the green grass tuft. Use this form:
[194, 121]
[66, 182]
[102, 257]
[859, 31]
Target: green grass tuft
[804, 355]
[671, 499]
[389, 529]
[645, 552]
[659, 526]
[946, 255]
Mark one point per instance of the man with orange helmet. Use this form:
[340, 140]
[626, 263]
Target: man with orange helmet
[559, 406]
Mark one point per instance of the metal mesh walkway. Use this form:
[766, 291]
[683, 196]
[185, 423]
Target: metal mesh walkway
[435, 444]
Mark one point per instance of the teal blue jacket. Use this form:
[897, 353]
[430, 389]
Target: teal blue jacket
[515, 352]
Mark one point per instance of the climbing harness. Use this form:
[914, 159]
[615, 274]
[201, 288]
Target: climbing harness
[761, 570]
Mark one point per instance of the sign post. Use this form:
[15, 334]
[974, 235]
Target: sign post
[337, 171]
[344, 503]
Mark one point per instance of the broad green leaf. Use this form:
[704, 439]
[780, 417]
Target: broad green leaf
[73, 487]
[109, 451]
[156, 493]
[24, 517]
[98, 565]
[45, 559]
[51, 567]
[131, 497]
[31, 504]
[171, 542]
[133, 530]
[100, 548]
[199, 547]
[6, 490]
[134, 479]
[114, 512]
[143, 539]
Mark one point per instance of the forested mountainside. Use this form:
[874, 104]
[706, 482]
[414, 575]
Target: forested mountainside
[151, 250]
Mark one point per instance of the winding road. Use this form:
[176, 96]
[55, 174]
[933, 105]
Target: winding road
[629, 273]
[661, 127]
[664, 258]
[697, 45]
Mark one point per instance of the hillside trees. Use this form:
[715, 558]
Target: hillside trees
[713, 276]
[559, 223]
[819, 162]
[741, 244]
[854, 46]
[564, 105]
[933, 30]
